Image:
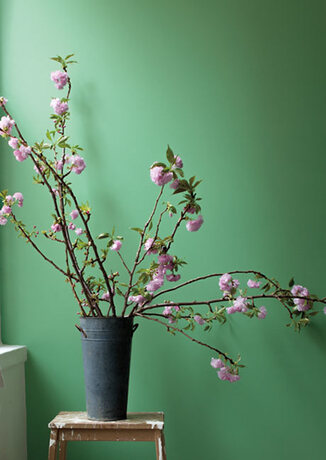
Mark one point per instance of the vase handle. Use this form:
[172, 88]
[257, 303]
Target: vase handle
[134, 327]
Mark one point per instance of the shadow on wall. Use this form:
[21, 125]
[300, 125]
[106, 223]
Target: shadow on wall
[87, 116]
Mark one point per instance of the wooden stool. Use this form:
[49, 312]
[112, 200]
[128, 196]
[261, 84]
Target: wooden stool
[75, 426]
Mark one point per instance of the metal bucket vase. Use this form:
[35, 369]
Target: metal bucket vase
[106, 345]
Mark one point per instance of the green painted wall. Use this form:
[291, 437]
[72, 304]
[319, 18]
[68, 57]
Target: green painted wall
[237, 88]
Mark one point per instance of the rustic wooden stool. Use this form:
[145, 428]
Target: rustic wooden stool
[75, 426]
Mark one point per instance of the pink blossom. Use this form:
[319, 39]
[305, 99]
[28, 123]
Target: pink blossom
[155, 284]
[225, 374]
[19, 197]
[74, 214]
[190, 209]
[58, 165]
[301, 304]
[139, 299]
[173, 277]
[199, 320]
[59, 78]
[3, 101]
[239, 305]
[59, 107]
[324, 310]
[262, 312]
[6, 125]
[227, 284]
[5, 210]
[159, 177]
[116, 246]
[56, 227]
[3, 220]
[71, 226]
[55, 191]
[175, 184]
[13, 142]
[160, 271]
[167, 311]
[39, 168]
[178, 162]
[106, 295]
[10, 200]
[22, 153]
[165, 259]
[149, 246]
[217, 363]
[78, 164]
[79, 231]
[253, 284]
[194, 225]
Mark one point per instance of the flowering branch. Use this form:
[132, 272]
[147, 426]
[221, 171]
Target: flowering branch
[173, 328]
[145, 276]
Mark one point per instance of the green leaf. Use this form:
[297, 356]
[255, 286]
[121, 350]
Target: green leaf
[170, 155]
[102, 236]
[137, 229]
[291, 282]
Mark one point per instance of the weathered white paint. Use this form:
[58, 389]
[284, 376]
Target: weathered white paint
[52, 441]
[155, 424]
[12, 403]
[160, 449]
[60, 425]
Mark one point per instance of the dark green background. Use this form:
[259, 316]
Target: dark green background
[237, 88]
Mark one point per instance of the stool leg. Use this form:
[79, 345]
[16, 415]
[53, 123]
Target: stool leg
[62, 450]
[160, 445]
[53, 445]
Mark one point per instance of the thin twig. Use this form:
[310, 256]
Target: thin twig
[176, 329]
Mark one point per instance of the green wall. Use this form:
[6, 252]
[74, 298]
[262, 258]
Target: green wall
[237, 88]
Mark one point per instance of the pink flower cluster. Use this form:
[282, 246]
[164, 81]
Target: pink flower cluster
[3, 101]
[262, 312]
[253, 284]
[239, 305]
[168, 312]
[74, 214]
[148, 246]
[8, 202]
[106, 295]
[39, 169]
[6, 125]
[139, 299]
[165, 262]
[301, 304]
[178, 163]
[59, 107]
[159, 177]
[59, 78]
[56, 227]
[78, 163]
[13, 143]
[224, 373]
[195, 224]
[228, 285]
[22, 153]
[116, 246]
[175, 184]
[199, 320]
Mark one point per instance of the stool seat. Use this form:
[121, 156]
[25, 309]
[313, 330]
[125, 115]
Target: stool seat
[75, 426]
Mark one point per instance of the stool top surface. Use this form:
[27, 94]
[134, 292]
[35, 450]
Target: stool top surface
[135, 420]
